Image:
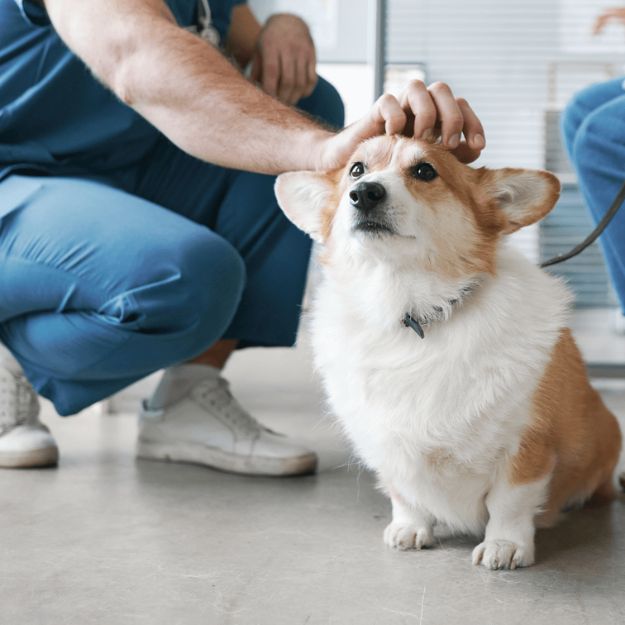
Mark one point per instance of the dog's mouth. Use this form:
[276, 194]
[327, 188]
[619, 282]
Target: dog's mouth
[370, 226]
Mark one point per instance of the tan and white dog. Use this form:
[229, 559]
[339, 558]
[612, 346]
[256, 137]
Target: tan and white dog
[488, 424]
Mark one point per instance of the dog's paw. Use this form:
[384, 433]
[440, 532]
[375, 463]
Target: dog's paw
[404, 536]
[503, 554]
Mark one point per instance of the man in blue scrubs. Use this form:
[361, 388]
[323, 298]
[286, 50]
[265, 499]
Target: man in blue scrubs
[138, 226]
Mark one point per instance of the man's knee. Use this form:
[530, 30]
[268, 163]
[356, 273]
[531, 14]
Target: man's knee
[325, 103]
[193, 291]
[587, 147]
[213, 273]
[584, 105]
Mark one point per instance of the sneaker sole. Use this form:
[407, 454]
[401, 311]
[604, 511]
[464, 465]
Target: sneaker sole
[223, 461]
[32, 459]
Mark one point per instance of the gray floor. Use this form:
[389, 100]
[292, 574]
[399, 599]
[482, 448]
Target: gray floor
[108, 540]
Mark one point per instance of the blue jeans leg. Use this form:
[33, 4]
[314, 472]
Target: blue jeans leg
[583, 104]
[593, 127]
[241, 207]
[99, 288]
[594, 131]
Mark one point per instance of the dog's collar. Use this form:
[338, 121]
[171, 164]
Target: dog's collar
[438, 312]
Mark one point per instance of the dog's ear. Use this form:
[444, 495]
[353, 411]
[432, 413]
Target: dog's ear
[306, 197]
[523, 195]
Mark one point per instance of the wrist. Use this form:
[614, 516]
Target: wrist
[312, 149]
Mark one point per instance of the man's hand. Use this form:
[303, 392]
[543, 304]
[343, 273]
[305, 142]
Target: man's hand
[421, 112]
[609, 15]
[284, 63]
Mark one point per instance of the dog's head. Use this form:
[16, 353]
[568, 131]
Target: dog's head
[401, 200]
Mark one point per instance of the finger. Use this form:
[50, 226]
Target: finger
[599, 25]
[472, 129]
[386, 116]
[613, 12]
[270, 71]
[256, 69]
[449, 114]
[311, 80]
[418, 104]
[287, 78]
[311, 74]
[301, 77]
[465, 153]
[388, 113]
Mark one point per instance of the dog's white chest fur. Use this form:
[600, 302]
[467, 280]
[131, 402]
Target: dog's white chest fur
[435, 418]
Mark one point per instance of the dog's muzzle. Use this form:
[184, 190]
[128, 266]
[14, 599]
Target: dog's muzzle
[366, 196]
[368, 199]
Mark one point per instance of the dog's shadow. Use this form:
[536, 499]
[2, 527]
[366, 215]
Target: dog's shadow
[589, 535]
[586, 540]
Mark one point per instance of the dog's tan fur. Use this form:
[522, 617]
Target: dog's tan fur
[575, 435]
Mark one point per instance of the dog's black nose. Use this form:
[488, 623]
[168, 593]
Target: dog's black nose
[366, 195]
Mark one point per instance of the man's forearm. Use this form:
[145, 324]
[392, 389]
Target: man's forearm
[184, 86]
[201, 102]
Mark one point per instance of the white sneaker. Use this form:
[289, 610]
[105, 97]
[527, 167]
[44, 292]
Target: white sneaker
[193, 417]
[24, 441]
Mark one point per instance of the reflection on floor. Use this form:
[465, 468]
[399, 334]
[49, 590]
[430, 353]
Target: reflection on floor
[108, 540]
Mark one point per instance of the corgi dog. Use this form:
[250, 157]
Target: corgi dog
[445, 353]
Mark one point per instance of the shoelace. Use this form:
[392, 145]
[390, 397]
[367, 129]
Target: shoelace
[16, 402]
[217, 394]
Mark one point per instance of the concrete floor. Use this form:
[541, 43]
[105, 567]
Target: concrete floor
[108, 540]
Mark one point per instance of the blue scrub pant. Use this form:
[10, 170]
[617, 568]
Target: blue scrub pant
[593, 126]
[106, 279]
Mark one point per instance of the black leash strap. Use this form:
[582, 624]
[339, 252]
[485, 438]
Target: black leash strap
[594, 235]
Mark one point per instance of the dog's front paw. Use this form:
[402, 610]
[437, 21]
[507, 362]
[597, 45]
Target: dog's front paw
[503, 554]
[405, 536]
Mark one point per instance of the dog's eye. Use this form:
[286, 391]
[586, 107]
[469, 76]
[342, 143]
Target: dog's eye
[357, 170]
[424, 171]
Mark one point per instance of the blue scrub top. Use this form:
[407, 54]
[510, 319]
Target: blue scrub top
[55, 117]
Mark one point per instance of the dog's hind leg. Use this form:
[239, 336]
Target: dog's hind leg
[586, 461]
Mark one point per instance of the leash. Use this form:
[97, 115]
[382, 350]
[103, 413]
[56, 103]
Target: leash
[593, 236]
[417, 324]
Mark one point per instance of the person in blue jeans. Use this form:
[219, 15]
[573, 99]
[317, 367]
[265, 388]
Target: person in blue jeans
[593, 126]
[138, 225]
